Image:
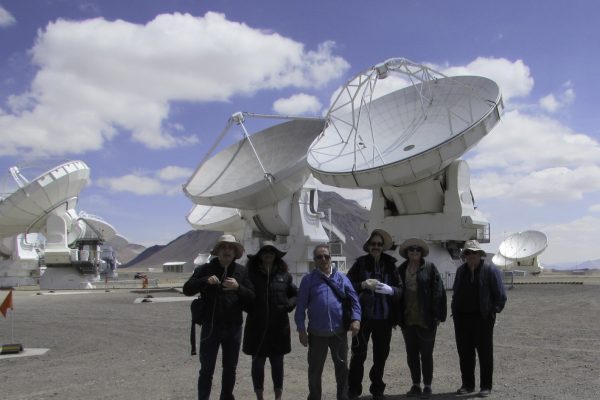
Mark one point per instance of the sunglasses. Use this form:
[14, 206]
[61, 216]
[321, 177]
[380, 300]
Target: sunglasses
[469, 252]
[376, 244]
[323, 257]
[415, 248]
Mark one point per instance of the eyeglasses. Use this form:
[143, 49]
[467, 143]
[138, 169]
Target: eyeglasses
[376, 244]
[415, 248]
[469, 252]
[323, 257]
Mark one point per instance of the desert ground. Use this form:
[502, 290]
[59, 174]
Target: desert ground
[104, 345]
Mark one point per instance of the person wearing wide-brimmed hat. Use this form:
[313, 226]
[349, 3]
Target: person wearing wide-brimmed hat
[423, 307]
[267, 329]
[478, 295]
[225, 290]
[376, 281]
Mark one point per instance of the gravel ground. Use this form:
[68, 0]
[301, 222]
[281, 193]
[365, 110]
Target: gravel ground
[105, 346]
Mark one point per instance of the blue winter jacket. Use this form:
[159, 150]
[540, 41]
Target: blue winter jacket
[317, 300]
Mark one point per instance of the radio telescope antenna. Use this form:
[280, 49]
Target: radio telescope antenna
[523, 249]
[259, 169]
[261, 188]
[55, 191]
[379, 137]
[398, 128]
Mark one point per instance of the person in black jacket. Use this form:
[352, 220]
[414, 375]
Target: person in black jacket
[478, 294]
[423, 307]
[376, 281]
[225, 290]
[267, 329]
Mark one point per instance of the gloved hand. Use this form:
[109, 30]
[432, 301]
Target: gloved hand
[370, 284]
[383, 288]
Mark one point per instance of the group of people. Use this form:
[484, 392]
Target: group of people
[369, 301]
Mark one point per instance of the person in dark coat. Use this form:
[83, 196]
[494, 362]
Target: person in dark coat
[225, 289]
[478, 295]
[423, 307]
[267, 329]
[376, 281]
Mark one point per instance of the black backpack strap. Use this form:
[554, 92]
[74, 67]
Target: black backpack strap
[336, 290]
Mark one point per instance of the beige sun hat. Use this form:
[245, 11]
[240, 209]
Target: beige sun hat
[413, 242]
[473, 245]
[387, 239]
[229, 239]
[268, 244]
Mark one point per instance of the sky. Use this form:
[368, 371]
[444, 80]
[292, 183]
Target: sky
[140, 89]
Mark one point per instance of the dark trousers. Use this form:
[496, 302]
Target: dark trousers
[317, 353]
[381, 331]
[258, 371]
[474, 333]
[229, 338]
[419, 344]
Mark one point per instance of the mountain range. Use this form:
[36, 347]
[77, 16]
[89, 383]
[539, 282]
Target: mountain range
[347, 215]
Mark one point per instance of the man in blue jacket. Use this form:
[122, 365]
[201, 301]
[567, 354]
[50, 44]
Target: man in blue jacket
[318, 300]
[478, 295]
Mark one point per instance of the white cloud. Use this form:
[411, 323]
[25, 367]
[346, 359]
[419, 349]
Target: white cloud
[535, 159]
[552, 103]
[297, 104]
[513, 78]
[549, 103]
[6, 18]
[97, 75]
[173, 172]
[572, 241]
[594, 208]
[160, 182]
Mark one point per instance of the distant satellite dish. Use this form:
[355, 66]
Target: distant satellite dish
[404, 136]
[213, 218]
[97, 228]
[25, 209]
[117, 242]
[259, 170]
[501, 261]
[523, 245]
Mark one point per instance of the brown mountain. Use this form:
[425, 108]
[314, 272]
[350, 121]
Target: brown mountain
[347, 215]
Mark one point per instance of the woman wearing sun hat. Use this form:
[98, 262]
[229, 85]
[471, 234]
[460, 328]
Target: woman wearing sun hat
[375, 279]
[422, 308]
[267, 329]
[478, 294]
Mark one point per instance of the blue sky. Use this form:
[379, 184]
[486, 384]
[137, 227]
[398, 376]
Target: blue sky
[140, 89]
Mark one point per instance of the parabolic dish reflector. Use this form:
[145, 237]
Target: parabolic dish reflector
[235, 178]
[213, 218]
[98, 228]
[25, 208]
[406, 135]
[523, 245]
[500, 261]
[117, 242]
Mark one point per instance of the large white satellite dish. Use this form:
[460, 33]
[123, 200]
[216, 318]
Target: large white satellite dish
[261, 188]
[25, 209]
[117, 242]
[404, 136]
[213, 218]
[398, 128]
[257, 171]
[97, 227]
[523, 245]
